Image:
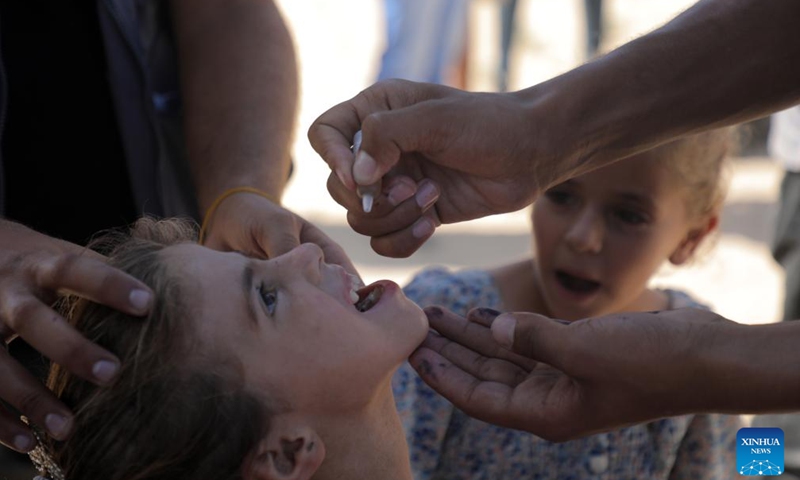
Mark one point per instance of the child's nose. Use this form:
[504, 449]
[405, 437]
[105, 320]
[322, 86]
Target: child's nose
[586, 233]
[307, 256]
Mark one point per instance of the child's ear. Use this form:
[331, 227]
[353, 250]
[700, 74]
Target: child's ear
[692, 240]
[290, 451]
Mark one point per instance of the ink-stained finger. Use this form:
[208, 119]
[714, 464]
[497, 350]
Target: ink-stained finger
[458, 329]
[485, 317]
[481, 367]
[27, 395]
[95, 280]
[485, 401]
[478, 338]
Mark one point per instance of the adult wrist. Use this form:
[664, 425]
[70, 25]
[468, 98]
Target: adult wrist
[749, 369]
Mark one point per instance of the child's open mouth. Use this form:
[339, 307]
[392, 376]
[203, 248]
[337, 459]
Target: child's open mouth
[368, 296]
[576, 284]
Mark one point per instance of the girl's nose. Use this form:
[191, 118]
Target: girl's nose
[306, 257]
[585, 235]
[308, 253]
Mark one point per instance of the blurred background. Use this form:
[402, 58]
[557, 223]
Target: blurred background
[339, 47]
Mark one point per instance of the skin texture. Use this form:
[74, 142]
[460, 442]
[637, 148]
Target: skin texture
[297, 311]
[719, 63]
[240, 113]
[35, 268]
[564, 380]
[291, 324]
[491, 153]
[615, 226]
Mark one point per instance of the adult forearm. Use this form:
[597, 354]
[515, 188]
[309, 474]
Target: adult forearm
[719, 63]
[239, 84]
[748, 369]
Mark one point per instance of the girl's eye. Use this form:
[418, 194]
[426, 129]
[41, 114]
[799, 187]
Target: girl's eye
[269, 298]
[559, 197]
[630, 217]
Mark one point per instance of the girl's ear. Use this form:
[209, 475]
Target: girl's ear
[693, 238]
[290, 451]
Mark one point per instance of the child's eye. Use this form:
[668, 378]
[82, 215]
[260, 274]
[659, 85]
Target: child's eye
[269, 298]
[559, 197]
[630, 217]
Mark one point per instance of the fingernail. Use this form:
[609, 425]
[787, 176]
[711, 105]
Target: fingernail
[503, 330]
[23, 443]
[140, 300]
[400, 193]
[434, 312]
[423, 228]
[105, 370]
[341, 177]
[364, 169]
[426, 195]
[56, 425]
[487, 312]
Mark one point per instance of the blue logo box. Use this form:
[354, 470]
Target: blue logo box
[759, 451]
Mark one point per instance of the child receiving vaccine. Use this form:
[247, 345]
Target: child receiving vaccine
[598, 239]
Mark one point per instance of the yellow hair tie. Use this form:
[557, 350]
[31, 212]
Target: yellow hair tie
[223, 196]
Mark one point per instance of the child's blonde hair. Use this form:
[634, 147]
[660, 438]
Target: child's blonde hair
[701, 164]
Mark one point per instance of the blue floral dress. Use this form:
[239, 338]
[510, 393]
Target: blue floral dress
[446, 444]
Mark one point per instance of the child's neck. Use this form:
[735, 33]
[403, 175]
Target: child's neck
[519, 290]
[365, 445]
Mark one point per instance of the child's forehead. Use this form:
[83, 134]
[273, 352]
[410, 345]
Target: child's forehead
[641, 172]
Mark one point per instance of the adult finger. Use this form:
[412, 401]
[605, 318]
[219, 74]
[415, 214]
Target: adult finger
[388, 215]
[487, 401]
[474, 335]
[331, 136]
[32, 399]
[458, 329]
[95, 280]
[533, 336]
[48, 332]
[485, 317]
[14, 434]
[480, 366]
[284, 233]
[397, 189]
[417, 121]
[403, 243]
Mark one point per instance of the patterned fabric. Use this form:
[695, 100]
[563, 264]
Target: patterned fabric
[445, 443]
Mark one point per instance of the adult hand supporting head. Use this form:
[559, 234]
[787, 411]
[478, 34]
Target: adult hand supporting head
[595, 374]
[258, 227]
[443, 155]
[34, 270]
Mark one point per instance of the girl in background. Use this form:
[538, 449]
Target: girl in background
[598, 239]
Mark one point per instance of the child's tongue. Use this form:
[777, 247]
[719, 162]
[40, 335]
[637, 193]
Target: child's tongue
[576, 284]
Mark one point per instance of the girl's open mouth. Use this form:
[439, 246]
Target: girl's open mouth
[576, 284]
[368, 297]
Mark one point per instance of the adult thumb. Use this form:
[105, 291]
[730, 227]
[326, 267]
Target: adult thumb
[533, 336]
